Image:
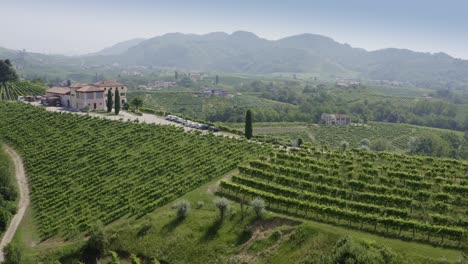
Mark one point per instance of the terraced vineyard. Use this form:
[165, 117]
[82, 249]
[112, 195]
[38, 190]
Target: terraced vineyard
[409, 197]
[21, 88]
[397, 135]
[213, 108]
[83, 169]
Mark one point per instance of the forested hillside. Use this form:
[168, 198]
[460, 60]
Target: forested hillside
[247, 53]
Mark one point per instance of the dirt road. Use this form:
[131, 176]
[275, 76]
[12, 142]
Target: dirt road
[23, 203]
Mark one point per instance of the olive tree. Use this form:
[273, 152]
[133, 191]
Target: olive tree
[182, 208]
[223, 205]
[258, 206]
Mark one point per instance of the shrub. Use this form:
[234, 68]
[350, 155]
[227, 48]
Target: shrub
[364, 142]
[223, 205]
[98, 242]
[258, 206]
[182, 208]
[115, 257]
[344, 144]
[135, 259]
[12, 254]
[200, 204]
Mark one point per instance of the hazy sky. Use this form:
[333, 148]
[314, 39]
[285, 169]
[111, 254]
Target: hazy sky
[82, 26]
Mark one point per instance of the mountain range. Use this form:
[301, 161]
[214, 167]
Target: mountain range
[244, 52]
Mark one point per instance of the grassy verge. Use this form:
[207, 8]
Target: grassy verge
[9, 194]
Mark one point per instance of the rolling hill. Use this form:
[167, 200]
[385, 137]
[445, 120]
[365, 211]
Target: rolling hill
[244, 52]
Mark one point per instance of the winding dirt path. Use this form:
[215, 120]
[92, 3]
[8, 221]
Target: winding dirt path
[23, 202]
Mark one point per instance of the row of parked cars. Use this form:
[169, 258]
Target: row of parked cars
[191, 124]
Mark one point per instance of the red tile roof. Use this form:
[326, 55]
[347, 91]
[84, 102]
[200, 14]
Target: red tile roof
[78, 85]
[90, 88]
[58, 90]
[109, 84]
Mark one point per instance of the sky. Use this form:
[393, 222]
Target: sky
[83, 26]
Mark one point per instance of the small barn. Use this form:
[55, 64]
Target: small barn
[63, 93]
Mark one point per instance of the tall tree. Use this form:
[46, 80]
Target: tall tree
[117, 102]
[217, 79]
[7, 74]
[137, 102]
[248, 124]
[109, 101]
[176, 75]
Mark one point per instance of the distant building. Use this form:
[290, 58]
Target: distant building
[335, 119]
[213, 92]
[134, 73]
[348, 84]
[161, 84]
[196, 76]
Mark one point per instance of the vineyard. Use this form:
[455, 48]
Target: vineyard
[224, 109]
[83, 169]
[397, 135]
[417, 198]
[21, 88]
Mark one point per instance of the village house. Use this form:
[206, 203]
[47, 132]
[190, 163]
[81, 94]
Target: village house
[213, 92]
[81, 96]
[335, 119]
[162, 84]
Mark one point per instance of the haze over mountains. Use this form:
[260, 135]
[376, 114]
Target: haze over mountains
[244, 52]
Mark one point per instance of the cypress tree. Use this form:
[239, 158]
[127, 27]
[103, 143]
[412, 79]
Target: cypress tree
[109, 101]
[117, 102]
[248, 125]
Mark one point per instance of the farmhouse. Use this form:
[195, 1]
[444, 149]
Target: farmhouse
[213, 92]
[61, 92]
[81, 96]
[335, 119]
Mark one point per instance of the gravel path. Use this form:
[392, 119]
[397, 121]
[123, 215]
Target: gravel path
[147, 118]
[23, 203]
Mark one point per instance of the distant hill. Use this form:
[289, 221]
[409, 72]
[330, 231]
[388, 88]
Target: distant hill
[244, 52]
[120, 47]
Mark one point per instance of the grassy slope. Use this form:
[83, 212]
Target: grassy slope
[200, 239]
